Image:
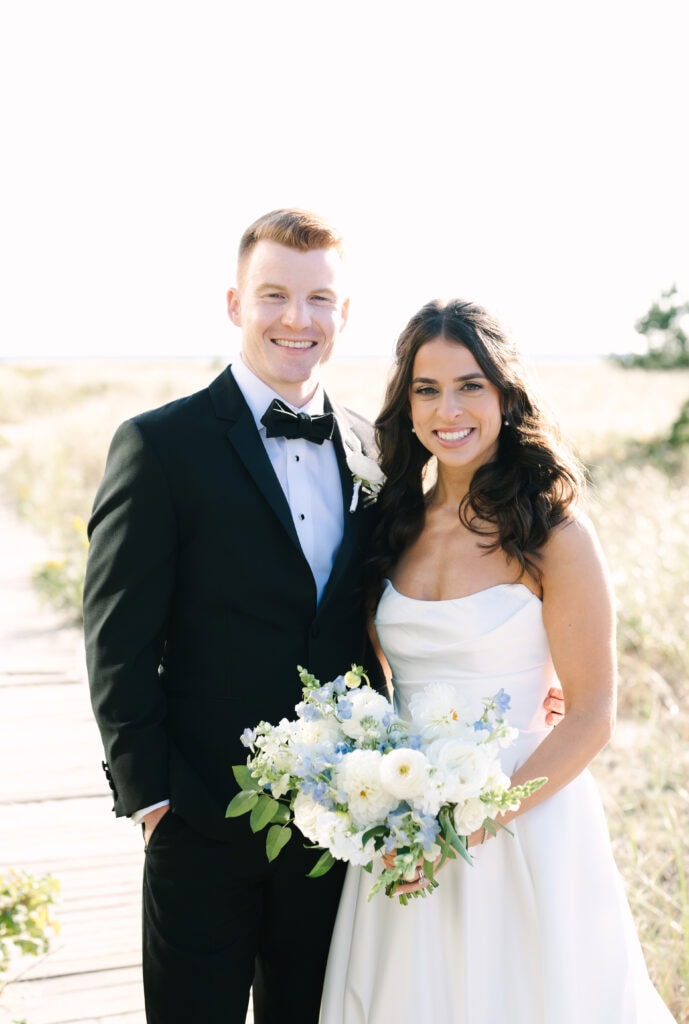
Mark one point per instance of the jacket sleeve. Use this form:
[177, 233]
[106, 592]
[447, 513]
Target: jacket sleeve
[127, 594]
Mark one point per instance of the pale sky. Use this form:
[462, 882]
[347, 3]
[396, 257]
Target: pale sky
[530, 156]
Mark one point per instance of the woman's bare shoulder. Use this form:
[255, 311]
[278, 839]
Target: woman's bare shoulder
[573, 545]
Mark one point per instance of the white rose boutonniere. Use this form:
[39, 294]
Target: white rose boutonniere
[367, 474]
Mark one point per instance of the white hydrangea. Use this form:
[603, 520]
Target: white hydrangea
[358, 776]
[320, 732]
[365, 704]
[433, 796]
[497, 782]
[507, 735]
[280, 787]
[465, 768]
[338, 833]
[274, 746]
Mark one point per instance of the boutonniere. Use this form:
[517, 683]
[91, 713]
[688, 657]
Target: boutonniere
[366, 473]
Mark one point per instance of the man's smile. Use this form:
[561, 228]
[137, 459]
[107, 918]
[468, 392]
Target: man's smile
[292, 343]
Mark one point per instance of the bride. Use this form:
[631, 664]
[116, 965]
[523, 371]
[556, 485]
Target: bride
[493, 577]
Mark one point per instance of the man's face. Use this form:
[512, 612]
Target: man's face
[291, 307]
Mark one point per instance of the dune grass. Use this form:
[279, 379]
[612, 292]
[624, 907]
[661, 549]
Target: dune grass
[55, 425]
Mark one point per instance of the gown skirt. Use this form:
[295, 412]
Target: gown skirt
[538, 930]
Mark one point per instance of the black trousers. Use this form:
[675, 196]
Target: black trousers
[218, 918]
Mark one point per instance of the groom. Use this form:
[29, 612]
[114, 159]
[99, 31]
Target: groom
[222, 556]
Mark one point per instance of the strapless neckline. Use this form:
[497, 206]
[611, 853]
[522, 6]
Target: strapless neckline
[465, 597]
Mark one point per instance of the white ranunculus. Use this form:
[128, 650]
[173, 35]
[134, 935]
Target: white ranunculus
[358, 776]
[469, 816]
[404, 773]
[439, 710]
[307, 815]
[365, 704]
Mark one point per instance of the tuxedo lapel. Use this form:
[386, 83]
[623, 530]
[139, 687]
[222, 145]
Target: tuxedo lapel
[230, 406]
[344, 439]
[242, 434]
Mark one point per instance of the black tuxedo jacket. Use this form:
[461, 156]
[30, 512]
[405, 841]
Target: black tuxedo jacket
[199, 603]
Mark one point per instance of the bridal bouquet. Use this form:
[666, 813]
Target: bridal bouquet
[365, 785]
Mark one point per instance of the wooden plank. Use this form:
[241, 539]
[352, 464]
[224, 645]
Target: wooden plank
[102, 996]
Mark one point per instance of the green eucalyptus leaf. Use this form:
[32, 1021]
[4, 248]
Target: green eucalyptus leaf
[322, 865]
[277, 838]
[242, 803]
[263, 813]
[282, 815]
[377, 830]
[245, 779]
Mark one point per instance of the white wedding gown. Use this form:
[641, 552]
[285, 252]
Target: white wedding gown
[539, 930]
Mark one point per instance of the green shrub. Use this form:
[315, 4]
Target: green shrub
[25, 915]
[679, 433]
[663, 328]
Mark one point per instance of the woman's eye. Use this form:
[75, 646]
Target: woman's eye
[472, 385]
[425, 389]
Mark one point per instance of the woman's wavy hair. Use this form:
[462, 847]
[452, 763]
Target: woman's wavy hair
[514, 501]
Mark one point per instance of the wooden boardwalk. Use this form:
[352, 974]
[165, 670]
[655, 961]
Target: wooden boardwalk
[55, 815]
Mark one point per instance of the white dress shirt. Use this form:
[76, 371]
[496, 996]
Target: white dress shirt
[310, 479]
[308, 474]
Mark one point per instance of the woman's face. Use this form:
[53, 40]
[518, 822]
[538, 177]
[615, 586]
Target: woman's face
[455, 410]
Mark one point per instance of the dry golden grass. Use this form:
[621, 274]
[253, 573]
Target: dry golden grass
[55, 423]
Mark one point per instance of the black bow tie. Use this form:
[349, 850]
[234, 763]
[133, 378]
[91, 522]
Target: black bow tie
[280, 421]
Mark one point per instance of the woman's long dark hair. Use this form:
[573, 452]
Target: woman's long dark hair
[515, 500]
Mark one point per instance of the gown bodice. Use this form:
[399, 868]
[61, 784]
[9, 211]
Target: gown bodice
[491, 639]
